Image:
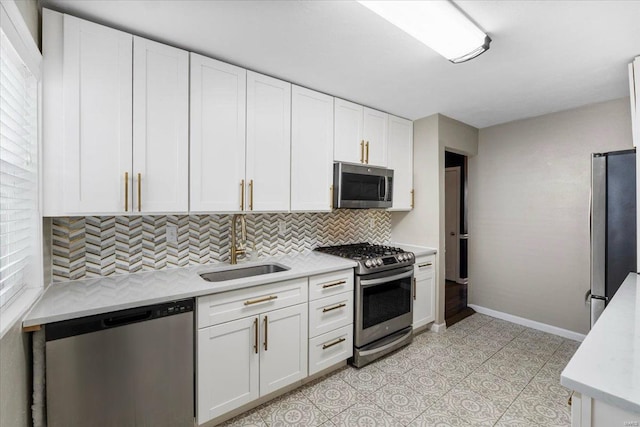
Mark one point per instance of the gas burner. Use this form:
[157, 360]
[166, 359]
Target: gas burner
[371, 258]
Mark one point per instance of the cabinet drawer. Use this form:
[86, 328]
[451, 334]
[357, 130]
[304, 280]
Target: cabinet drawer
[226, 306]
[329, 313]
[324, 285]
[330, 348]
[425, 265]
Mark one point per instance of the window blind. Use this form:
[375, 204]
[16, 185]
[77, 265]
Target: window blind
[18, 173]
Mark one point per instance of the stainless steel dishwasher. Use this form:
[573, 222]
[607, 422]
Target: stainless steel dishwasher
[132, 367]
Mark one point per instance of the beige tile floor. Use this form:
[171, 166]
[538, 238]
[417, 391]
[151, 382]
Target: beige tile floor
[481, 371]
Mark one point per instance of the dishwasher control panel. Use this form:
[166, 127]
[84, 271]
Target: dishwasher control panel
[115, 319]
[174, 308]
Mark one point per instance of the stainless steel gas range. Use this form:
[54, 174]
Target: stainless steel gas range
[383, 298]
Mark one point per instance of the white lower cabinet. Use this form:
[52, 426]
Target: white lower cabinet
[330, 319]
[328, 349]
[228, 367]
[424, 291]
[241, 360]
[283, 356]
[254, 341]
[589, 412]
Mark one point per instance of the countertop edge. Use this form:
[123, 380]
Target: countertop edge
[416, 249]
[594, 370]
[600, 395]
[340, 264]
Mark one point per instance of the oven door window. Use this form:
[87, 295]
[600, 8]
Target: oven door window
[383, 302]
[362, 187]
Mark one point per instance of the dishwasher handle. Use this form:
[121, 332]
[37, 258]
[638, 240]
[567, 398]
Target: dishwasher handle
[111, 322]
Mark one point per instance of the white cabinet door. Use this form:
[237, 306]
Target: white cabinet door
[283, 357]
[97, 122]
[348, 145]
[217, 148]
[160, 127]
[400, 159]
[227, 367]
[311, 150]
[424, 291]
[268, 143]
[374, 133]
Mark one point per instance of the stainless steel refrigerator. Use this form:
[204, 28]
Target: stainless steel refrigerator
[613, 225]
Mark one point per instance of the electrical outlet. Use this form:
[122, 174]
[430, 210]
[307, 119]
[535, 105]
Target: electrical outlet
[282, 228]
[172, 233]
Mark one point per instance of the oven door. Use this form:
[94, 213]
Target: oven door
[384, 304]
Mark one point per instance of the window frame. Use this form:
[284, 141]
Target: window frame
[16, 30]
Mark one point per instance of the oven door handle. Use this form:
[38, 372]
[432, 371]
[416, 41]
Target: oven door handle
[365, 283]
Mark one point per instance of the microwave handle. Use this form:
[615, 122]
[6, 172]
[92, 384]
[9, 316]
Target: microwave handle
[386, 189]
[383, 189]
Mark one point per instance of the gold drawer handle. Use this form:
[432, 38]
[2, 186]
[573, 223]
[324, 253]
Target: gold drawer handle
[331, 197]
[255, 301]
[335, 307]
[139, 192]
[428, 264]
[126, 191]
[242, 195]
[362, 151]
[250, 194]
[266, 333]
[255, 342]
[336, 342]
[330, 285]
[367, 148]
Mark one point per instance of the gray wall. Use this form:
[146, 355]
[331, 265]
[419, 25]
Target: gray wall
[529, 211]
[15, 360]
[424, 225]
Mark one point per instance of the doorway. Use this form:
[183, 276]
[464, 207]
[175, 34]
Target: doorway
[456, 280]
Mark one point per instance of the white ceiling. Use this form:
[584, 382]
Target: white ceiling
[545, 56]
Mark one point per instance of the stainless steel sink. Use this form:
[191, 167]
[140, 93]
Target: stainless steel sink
[242, 272]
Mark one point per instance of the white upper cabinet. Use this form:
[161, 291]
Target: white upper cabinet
[348, 142]
[400, 159]
[268, 143]
[374, 133]
[160, 127]
[122, 101]
[217, 148]
[311, 150]
[85, 164]
[360, 134]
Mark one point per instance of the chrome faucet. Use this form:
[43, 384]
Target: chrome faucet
[238, 248]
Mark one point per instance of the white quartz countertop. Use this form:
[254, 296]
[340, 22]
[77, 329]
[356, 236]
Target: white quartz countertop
[606, 366]
[417, 250]
[79, 298]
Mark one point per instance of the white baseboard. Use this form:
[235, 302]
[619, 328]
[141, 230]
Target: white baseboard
[565, 333]
[438, 327]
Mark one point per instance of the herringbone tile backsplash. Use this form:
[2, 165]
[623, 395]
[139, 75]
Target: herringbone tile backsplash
[102, 246]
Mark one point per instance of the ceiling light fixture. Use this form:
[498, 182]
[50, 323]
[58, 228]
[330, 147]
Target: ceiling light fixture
[437, 23]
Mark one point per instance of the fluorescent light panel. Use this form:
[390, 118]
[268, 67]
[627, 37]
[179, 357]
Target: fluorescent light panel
[436, 23]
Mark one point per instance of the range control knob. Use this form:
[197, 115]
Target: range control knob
[402, 257]
[368, 263]
[379, 261]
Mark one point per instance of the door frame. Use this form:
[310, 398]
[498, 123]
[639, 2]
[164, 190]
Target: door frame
[458, 170]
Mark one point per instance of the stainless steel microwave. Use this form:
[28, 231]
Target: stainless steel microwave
[362, 186]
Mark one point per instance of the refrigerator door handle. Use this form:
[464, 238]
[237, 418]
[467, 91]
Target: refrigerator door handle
[587, 298]
[598, 223]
